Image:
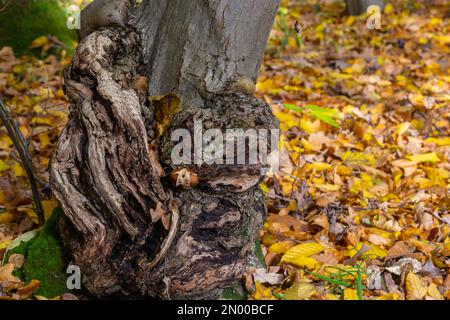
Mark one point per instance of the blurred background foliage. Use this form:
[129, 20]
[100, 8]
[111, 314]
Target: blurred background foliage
[24, 21]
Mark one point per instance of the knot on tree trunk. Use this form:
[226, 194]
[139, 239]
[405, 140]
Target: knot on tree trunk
[227, 143]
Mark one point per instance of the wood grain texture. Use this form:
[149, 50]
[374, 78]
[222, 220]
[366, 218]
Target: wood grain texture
[193, 48]
[106, 174]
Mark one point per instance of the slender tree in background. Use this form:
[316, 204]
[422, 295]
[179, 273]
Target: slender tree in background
[140, 72]
[356, 7]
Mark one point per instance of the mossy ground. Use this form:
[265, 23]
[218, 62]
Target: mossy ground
[45, 260]
[22, 21]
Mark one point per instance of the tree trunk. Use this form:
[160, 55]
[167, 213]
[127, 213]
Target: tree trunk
[128, 228]
[357, 7]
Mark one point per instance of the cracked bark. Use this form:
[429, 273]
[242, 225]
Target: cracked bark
[106, 169]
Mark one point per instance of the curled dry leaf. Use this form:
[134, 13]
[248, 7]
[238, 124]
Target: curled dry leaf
[430, 270]
[17, 260]
[69, 296]
[7, 280]
[27, 291]
[374, 280]
[271, 278]
[400, 249]
[377, 239]
[403, 263]
[387, 224]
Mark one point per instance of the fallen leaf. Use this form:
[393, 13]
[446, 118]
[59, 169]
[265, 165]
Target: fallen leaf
[350, 294]
[400, 249]
[300, 291]
[416, 288]
[261, 275]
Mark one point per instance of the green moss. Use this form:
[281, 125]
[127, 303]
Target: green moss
[22, 21]
[45, 260]
[259, 254]
[234, 293]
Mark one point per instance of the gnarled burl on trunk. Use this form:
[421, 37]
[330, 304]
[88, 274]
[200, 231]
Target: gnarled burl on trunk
[140, 73]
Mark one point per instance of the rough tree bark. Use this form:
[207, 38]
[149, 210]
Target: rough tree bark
[129, 230]
[357, 7]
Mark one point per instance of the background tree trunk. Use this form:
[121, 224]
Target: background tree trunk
[357, 7]
[127, 227]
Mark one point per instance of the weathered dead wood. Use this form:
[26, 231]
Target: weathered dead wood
[106, 174]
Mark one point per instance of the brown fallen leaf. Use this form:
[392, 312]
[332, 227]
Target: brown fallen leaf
[377, 239]
[7, 280]
[447, 282]
[430, 270]
[326, 259]
[265, 277]
[25, 292]
[17, 260]
[69, 296]
[400, 249]
[321, 221]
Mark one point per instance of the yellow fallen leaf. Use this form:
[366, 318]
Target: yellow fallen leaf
[416, 288]
[374, 250]
[350, 21]
[318, 166]
[300, 255]
[48, 206]
[18, 169]
[4, 166]
[425, 157]
[328, 187]
[44, 140]
[358, 159]
[280, 247]
[6, 217]
[301, 261]
[310, 127]
[350, 294]
[441, 141]
[389, 296]
[389, 8]
[5, 244]
[344, 171]
[262, 293]
[40, 42]
[300, 291]
[402, 128]
[423, 40]
[443, 40]
[434, 292]
[306, 249]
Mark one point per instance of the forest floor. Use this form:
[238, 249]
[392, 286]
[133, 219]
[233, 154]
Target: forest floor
[360, 206]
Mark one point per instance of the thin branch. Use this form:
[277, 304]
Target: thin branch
[5, 6]
[25, 156]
